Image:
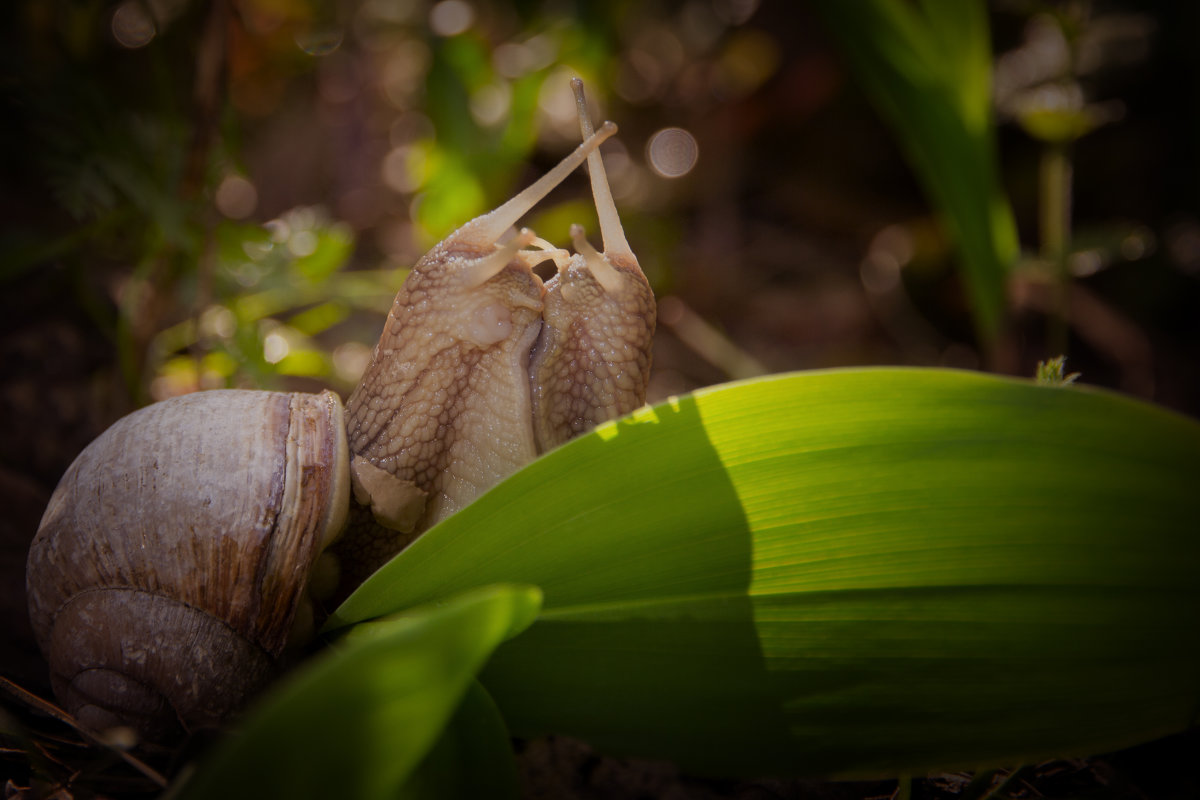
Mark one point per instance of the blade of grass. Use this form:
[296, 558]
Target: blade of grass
[927, 69]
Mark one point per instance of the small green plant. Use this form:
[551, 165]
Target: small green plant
[1052, 372]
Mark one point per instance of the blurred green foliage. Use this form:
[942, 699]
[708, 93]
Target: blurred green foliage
[277, 289]
[166, 145]
[927, 66]
[191, 266]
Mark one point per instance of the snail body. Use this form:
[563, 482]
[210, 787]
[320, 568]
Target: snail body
[183, 549]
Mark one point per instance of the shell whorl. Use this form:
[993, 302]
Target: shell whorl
[174, 555]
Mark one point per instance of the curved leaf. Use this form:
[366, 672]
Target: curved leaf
[472, 759]
[358, 720]
[844, 573]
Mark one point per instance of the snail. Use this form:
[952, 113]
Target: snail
[592, 357]
[173, 559]
[182, 553]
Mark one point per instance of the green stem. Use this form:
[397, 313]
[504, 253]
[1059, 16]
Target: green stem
[1055, 211]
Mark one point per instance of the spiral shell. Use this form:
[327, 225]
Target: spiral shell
[174, 557]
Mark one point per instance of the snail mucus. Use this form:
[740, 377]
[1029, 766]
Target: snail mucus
[181, 553]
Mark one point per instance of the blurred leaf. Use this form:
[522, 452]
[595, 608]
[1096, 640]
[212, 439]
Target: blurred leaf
[320, 317]
[554, 222]
[927, 68]
[520, 134]
[219, 363]
[356, 721]
[236, 242]
[242, 346]
[305, 364]
[450, 197]
[293, 265]
[369, 290]
[470, 59]
[249, 302]
[333, 247]
[448, 98]
[373, 291]
[843, 574]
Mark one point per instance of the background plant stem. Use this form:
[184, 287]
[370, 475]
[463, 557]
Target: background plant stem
[1054, 182]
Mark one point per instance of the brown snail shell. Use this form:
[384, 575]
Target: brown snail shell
[174, 557]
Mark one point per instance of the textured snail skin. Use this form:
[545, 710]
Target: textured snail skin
[444, 403]
[174, 556]
[591, 362]
[444, 410]
[443, 407]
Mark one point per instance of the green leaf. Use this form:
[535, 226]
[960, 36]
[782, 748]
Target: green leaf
[844, 573]
[927, 69]
[472, 759]
[358, 720]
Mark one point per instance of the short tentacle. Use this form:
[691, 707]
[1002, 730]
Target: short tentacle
[602, 271]
[480, 270]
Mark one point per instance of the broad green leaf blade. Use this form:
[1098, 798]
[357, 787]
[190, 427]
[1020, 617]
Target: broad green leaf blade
[359, 719]
[927, 69]
[472, 759]
[844, 573]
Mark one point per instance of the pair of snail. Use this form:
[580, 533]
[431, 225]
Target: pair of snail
[183, 550]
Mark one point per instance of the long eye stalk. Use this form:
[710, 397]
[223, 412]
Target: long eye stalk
[611, 232]
[489, 228]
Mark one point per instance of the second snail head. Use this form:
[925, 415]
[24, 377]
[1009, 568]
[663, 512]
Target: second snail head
[481, 366]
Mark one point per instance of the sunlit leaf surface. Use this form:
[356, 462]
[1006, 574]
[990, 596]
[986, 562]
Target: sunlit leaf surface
[844, 573]
[358, 720]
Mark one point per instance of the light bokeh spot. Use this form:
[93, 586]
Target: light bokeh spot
[451, 17]
[236, 197]
[132, 25]
[320, 41]
[672, 152]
